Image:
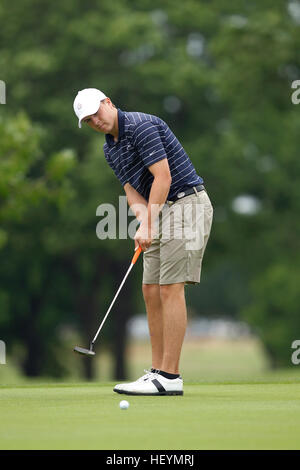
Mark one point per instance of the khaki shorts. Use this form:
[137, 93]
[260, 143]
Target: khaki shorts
[176, 253]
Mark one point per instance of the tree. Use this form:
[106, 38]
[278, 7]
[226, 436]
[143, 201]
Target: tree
[31, 195]
[220, 74]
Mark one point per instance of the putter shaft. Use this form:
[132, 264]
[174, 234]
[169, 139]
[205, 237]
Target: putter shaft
[113, 301]
[135, 257]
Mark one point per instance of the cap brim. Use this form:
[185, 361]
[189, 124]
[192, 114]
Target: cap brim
[88, 112]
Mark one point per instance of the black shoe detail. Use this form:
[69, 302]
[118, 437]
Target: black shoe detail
[158, 385]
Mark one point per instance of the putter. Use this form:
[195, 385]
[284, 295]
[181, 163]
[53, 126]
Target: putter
[91, 352]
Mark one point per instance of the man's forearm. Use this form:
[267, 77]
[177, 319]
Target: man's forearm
[159, 191]
[136, 202]
[158, 194]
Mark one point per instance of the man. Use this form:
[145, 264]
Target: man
[165, 194]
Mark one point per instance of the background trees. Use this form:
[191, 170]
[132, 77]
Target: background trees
[220, 74]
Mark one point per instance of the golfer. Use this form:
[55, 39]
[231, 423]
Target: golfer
[169, 199]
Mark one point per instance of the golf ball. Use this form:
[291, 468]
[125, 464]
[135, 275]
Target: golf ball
[124, 404]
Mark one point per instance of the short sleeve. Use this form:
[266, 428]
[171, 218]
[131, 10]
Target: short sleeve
[148, 143]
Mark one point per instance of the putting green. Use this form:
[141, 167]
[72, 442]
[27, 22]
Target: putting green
[208, 416]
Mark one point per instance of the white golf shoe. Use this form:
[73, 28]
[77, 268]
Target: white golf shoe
[151, 383]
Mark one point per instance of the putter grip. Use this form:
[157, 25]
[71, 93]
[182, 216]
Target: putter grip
[136, 255]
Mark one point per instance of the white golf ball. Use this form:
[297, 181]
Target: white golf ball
[124, 404]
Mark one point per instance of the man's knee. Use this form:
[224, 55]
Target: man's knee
[151, 291]
[168, 291]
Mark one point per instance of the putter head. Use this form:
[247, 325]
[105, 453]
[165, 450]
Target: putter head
[85, 352]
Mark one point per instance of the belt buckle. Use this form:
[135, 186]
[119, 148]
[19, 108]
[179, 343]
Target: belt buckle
[180, 195]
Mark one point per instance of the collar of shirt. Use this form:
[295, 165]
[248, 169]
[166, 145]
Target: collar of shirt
[121, 123]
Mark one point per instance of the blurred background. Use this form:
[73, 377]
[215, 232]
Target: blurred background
[220, 74]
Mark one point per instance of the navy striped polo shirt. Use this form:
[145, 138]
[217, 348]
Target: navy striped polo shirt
[144, 140]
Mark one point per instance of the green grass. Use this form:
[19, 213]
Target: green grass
[208, 416]
[231, 401]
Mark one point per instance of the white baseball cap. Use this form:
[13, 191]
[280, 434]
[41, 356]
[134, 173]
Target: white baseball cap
[87, 102]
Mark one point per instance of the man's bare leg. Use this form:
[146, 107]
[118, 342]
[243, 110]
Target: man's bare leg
[151, 293]
[174, 325]
[167, 319]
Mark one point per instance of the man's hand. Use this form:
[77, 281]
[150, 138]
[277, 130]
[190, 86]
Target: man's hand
[144, 237]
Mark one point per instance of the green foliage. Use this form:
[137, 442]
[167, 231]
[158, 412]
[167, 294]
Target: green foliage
[220, 74]
[23, 184]
[32, 198]
[275, 312]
